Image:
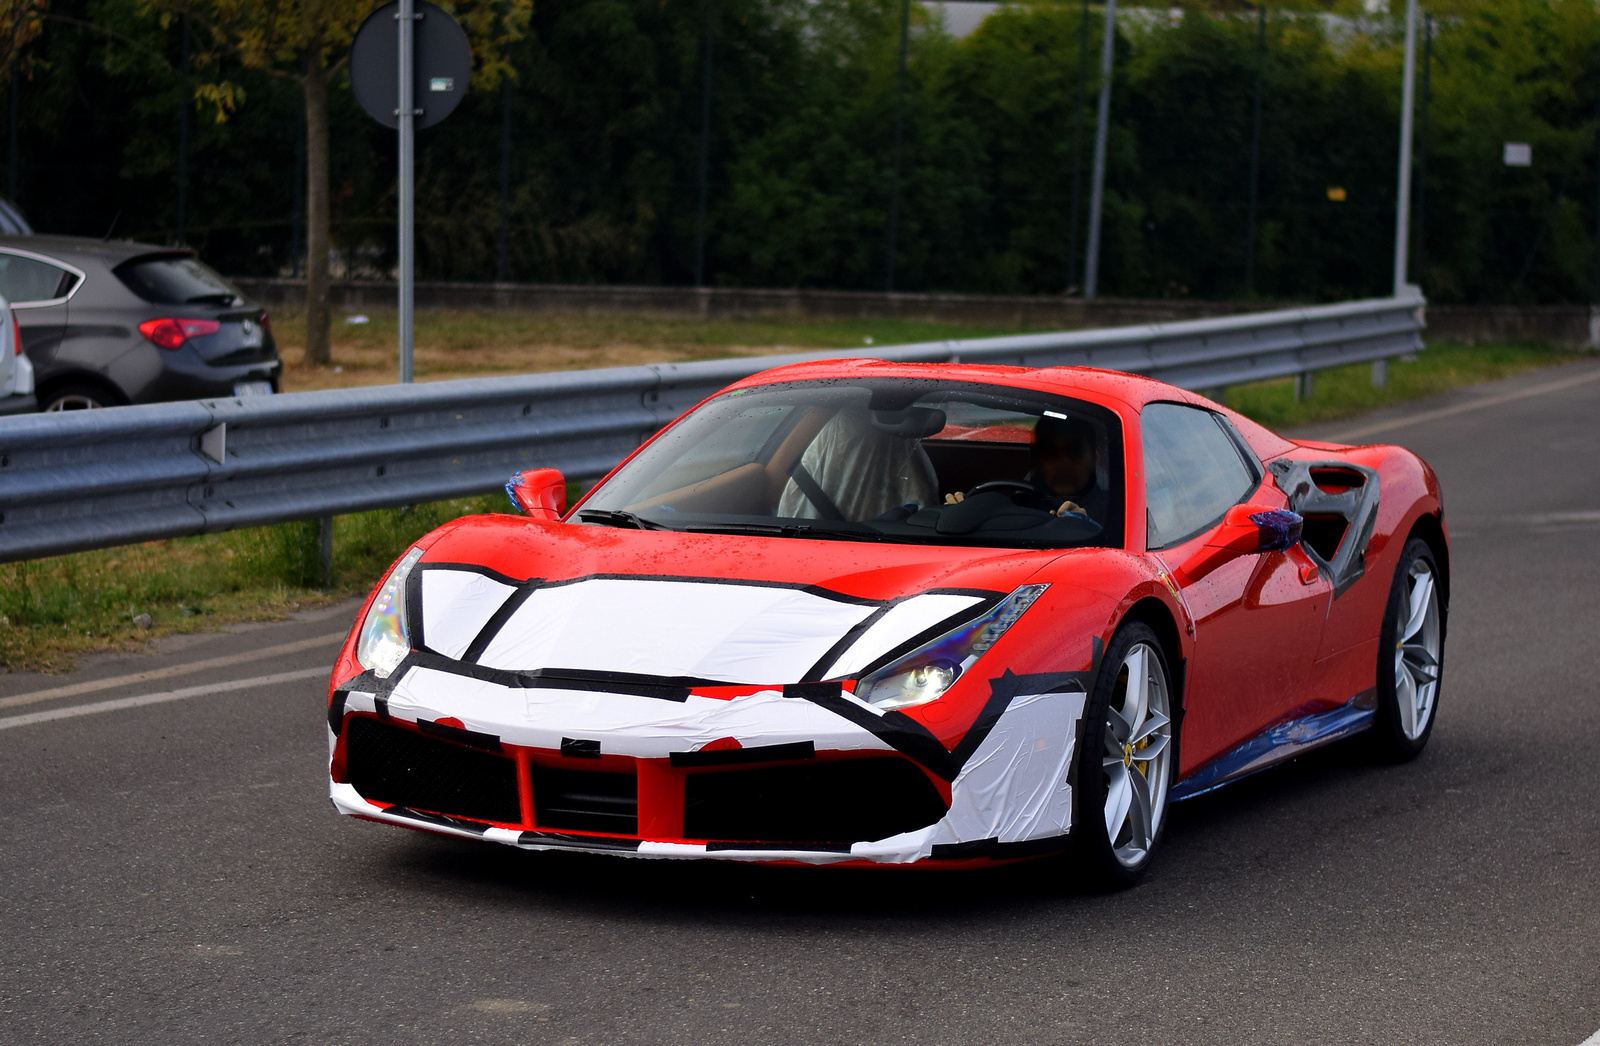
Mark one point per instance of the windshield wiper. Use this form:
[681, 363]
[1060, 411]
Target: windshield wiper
[785, 530]
[619, 518]
[211, 299]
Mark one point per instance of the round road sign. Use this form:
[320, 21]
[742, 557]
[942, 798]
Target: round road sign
[441, 66]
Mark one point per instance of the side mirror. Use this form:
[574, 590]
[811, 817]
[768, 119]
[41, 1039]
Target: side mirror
[538, 493]
[1246, 530]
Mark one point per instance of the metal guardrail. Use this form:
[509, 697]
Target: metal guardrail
[94, 479]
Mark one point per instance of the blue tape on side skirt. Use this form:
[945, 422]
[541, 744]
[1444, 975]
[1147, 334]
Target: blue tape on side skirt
[1283, 741]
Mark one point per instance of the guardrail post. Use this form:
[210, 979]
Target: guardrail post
[325, 550]
[1302, 386]
[1380, 373]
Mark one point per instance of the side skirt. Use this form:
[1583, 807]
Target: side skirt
[1292, 737]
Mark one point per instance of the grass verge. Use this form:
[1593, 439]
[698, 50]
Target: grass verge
[1344, 392]
[463, 344]
[54, 609]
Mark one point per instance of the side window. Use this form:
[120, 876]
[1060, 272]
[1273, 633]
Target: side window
[25, 280]
[1193, 472]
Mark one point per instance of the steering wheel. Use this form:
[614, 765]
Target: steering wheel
[1017, 486]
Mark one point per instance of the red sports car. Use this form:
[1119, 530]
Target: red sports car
[884, 614]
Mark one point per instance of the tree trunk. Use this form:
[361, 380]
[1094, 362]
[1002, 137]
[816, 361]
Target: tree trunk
[314, 81]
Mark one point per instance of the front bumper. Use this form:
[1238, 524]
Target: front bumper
[794, 774]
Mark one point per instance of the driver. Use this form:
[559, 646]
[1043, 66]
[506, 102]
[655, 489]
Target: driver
[1063, 476]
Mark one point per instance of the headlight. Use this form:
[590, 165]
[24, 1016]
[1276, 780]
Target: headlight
[384, 643]
[928, 672]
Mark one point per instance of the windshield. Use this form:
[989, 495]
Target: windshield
[885, 459]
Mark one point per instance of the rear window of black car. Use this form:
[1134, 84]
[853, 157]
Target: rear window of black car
[176, 280]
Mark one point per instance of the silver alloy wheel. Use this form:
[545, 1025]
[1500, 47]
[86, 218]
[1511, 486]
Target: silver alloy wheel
[1416, 651]
[74, 402]
[1138, 755]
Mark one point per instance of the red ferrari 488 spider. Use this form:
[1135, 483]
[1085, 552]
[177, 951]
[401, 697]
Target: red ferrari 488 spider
[883, 614]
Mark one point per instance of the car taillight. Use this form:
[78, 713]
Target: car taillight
[170, 333]
[16, 335]
[266, 324]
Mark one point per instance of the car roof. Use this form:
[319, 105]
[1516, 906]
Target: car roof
[109, 253]
[1091, 383]
[1109, 388]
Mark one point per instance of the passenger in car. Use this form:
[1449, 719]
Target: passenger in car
[862, 464]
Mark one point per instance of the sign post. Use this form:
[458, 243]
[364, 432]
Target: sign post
[406, 111]
[409, 66]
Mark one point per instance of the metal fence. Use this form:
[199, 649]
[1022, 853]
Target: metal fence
[95, 479]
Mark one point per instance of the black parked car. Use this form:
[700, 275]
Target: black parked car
[114, 323]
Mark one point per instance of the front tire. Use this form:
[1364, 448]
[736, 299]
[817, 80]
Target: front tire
[1126, 764]
[1410, 657]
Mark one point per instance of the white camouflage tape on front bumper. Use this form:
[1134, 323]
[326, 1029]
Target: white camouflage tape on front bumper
[641, 727]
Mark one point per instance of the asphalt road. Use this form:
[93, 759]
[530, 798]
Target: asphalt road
[172, 872]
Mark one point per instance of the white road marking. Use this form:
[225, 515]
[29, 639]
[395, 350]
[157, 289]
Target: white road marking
[73, 711]
[1352, 435]
[1593, 1040]
[74, 689]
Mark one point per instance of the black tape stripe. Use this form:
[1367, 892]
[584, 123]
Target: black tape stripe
[666, 688]
[809, 690]
[475, 827]
[1002, 691]
[975, 848]
[822, 848]
[957, 620]
[1009, 686]
[474, 568]
[580, 748]
[336, 710]
[895, 729]
[988, 601]
[413, 597]
[461, 735]
[845, 642]
[755, 754]
[497, 621]
[816, 590]
[583, 842]
[996, 850]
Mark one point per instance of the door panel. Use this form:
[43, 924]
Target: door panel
[1259, 618]
[1257, 625]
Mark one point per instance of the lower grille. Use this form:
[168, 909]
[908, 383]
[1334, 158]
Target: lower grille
[586, 800]
[389, 764]
[853, 800]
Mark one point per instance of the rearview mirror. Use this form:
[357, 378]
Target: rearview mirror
[538, 493]
[1245, 530]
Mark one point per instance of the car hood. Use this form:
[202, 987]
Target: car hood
[703, 607]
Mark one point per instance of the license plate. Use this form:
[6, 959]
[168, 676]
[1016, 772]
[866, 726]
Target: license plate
[252, 388]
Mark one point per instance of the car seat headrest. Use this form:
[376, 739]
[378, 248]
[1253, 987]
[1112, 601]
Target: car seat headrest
[910, 423]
